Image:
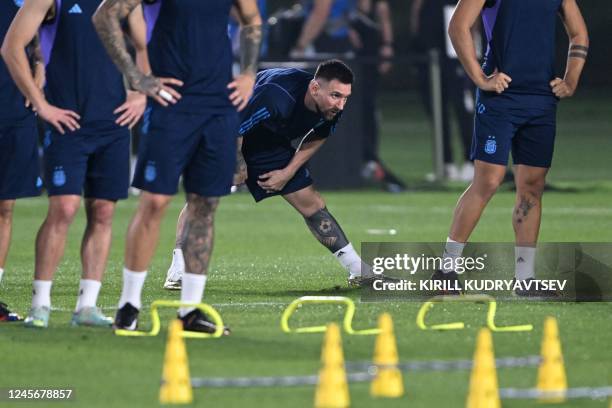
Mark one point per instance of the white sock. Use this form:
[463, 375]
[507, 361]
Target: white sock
[177, 268]
[192, 290]
[88, 294]
[1, 273]
[524, 262]
[452, 250]
[349, 259]
[41, 293]
[132, 287]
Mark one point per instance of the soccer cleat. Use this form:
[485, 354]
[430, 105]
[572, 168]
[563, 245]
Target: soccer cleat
[91, 316]
[197, 321]
[450, 281]
[6, 315]
[38, 317]
[534, 293]
[126, 318]
[357, 281]
[175, 272]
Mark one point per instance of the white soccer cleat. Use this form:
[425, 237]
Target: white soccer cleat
[174, 276]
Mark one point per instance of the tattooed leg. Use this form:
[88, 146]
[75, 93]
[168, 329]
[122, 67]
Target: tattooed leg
[326, 230]
[197, 239]
[528, 208]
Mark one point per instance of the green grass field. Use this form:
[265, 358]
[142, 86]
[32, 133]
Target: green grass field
[265, 257]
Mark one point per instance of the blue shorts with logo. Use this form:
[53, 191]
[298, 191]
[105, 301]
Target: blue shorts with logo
[527, 130]
[202, 147]
[19, 166]
[279, 158]
[91, 161]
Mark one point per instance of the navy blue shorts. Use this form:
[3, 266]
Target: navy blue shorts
[255, 168]
[19, 167]
[528, 133]
[201, 147]
[90, 161]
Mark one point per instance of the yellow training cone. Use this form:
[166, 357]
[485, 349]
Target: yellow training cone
[332, 388]
[388, 381]
[176, 384]
[551, 373]
[484, 391]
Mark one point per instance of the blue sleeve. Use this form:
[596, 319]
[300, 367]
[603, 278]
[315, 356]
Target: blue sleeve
[267, 104]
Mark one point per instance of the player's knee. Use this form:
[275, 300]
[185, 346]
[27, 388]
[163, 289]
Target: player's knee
[63, 212]
[486, 186]
[533, 186]
[102, 213]
[154, 205]
[202, 207]
[6, 211]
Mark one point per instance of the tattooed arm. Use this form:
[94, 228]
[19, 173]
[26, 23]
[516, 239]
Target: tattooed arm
[250, 43]
[107, 21]
[579, 48]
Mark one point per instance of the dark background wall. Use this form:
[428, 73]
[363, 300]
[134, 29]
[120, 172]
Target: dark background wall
[597, 13]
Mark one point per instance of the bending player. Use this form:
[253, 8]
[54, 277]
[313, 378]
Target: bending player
[516, 111]
[289, 104]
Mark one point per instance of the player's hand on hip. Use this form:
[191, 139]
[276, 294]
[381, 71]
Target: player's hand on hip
[59, 118]
[160, 89]
[561, 88]
[242, 89]
[273, 181]
[131, 110]
[496, 82]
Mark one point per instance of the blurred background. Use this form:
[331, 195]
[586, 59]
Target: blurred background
[408, 124]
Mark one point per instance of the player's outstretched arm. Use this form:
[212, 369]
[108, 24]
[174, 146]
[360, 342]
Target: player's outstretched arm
[250, 44]
[459, 31]
[107, 20]
[578, 50]
[21, 33]
[277, 179]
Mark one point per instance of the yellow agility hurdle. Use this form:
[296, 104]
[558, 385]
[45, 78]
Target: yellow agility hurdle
[428, 305]
[347, 323]
[156, 325]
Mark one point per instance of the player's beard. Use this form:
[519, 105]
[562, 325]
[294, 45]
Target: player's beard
[327, 114]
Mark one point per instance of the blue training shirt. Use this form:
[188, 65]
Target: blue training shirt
[12, 108]
[521, 43]
[80, 74]
[190, 42]
[276, 114]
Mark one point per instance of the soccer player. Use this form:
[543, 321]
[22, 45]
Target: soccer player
[195, 137]
[86, 144]
[515, 111]
[19, 170]
[289, 104]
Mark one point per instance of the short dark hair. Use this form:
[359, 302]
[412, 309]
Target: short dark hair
[335, 69]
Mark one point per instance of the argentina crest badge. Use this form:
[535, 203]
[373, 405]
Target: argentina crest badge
[59, 177]
[150, 172]
[490, 145]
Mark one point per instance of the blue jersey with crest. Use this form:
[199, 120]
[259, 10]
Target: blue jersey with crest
[190, 42]
[521, 43]
[80, 74]
[276, 115]
[12, 109]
